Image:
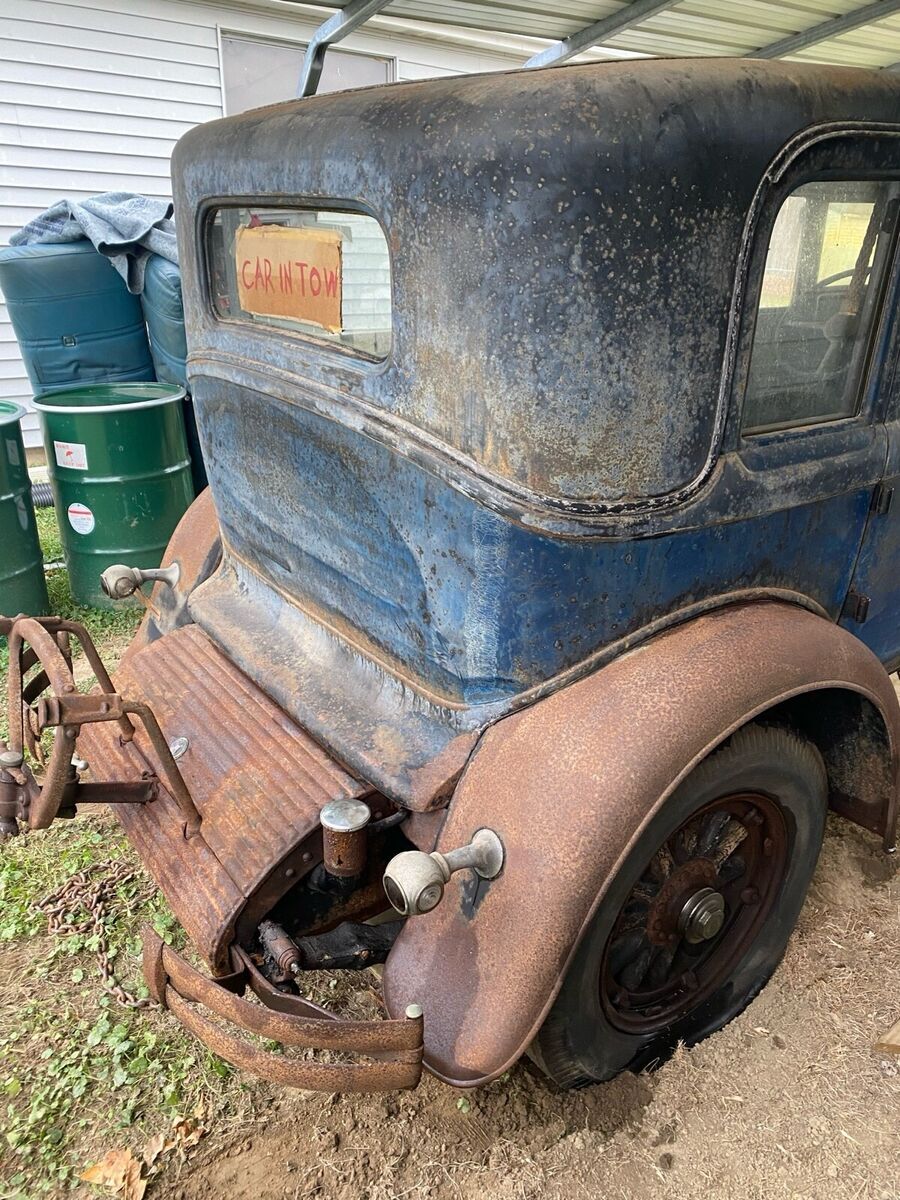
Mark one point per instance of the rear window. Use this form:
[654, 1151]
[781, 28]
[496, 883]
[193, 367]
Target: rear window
[319, 272]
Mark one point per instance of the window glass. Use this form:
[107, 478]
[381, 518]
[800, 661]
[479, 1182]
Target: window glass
[783, 258]
[255, 72]
[323, 273]
[846, 225]
[818, 301]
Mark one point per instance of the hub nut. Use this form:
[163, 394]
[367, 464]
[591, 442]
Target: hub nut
[702, 916]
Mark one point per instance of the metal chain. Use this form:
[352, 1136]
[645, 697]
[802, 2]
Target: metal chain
[93, 895]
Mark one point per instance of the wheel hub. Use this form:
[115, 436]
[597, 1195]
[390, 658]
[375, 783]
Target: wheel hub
[694, 912]
[696, 875]
[702, 917]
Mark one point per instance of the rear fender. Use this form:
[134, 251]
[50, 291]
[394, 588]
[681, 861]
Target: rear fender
[197, 548]
[570, 783]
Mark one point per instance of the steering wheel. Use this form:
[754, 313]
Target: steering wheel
[825, 283]
[825, 370]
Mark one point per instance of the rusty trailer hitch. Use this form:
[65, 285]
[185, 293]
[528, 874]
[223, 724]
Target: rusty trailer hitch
[48, 698]
[394, 1047]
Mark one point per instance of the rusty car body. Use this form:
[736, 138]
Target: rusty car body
[548, 567]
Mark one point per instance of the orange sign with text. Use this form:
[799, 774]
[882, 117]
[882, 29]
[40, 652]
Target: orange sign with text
[293, 273]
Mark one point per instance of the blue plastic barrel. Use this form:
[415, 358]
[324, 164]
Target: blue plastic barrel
[74, 318]
[164, 313]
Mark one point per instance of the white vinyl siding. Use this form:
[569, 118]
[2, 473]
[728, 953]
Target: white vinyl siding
[95, 93]
[367, 303]
[92, 98]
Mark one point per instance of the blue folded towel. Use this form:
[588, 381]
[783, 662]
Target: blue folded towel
[123, 226]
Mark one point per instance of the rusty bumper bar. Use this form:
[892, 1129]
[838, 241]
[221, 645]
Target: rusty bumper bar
[394, 1047]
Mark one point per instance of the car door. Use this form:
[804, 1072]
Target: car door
[813, 440]
[872, 609]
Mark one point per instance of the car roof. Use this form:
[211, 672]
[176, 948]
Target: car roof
[564, 249]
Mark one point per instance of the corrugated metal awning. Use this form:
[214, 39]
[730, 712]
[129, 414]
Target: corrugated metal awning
[865, 34]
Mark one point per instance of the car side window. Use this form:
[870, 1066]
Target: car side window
[826, 259]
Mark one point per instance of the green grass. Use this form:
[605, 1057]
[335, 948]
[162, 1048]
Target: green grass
[48, 533]
[79, 1074]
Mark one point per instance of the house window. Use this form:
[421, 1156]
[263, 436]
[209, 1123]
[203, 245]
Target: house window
[818, 303]
[256, 72]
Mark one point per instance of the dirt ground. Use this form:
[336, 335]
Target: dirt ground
[789, 1101]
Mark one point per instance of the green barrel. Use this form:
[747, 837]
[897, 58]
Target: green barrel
[121, 476]
[22, 586]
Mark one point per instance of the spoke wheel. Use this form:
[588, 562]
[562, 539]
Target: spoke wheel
[33, 649]
[694, 912]
[699, 913]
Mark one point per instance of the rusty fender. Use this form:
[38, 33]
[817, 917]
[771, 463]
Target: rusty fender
[196, 547]
[569, 784]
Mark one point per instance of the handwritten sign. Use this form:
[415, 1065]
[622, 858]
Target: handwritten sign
[294, 273]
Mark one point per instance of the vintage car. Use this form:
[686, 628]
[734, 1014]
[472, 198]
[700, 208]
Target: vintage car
[546, 586]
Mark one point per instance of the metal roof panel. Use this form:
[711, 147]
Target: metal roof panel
[687, 27]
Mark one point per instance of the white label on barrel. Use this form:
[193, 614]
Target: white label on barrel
[71, 454]
[81, 518]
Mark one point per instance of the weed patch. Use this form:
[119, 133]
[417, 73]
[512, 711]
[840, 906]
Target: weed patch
[79, 1071]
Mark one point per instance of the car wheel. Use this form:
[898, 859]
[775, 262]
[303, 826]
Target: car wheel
[699, 915]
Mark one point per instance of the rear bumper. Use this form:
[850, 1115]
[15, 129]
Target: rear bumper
[212, 1008]
[226, 832]
[258, 782]
[257, 779]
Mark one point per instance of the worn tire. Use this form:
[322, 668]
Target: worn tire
[578, 1044]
